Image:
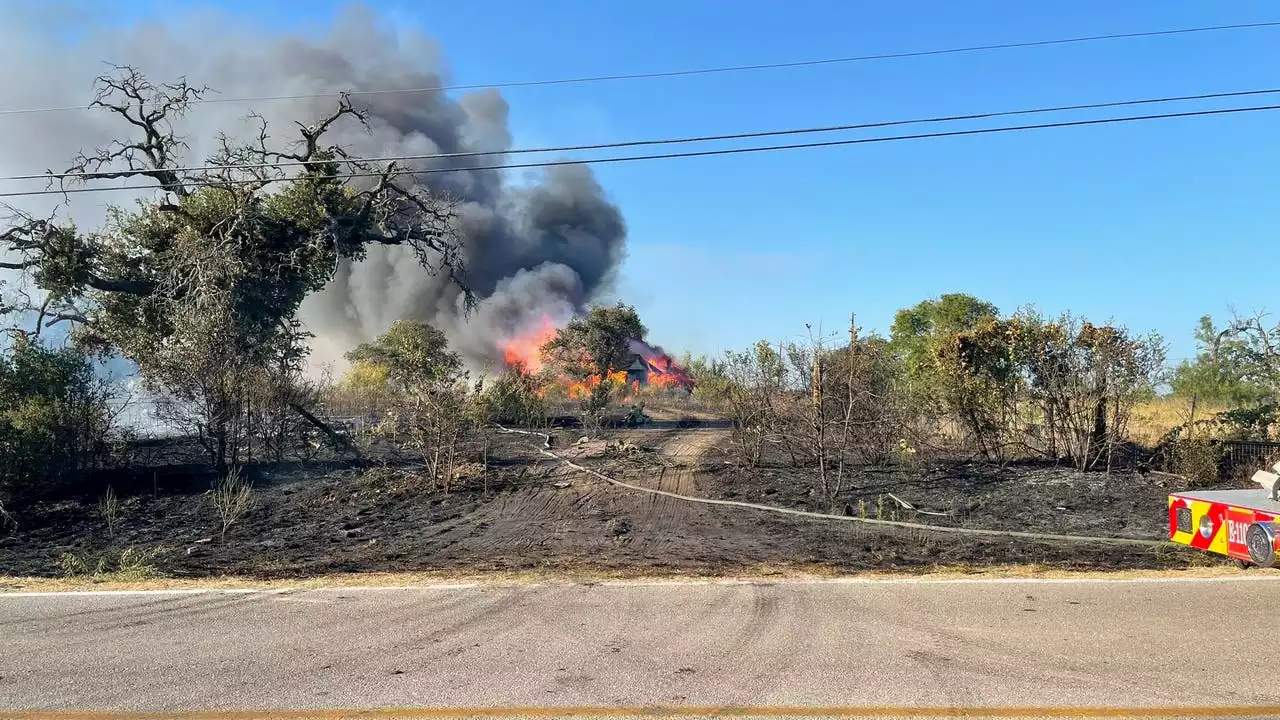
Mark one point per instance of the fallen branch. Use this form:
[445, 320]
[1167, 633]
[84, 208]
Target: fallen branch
[336, 441]
[1176, 476]
[908, 506]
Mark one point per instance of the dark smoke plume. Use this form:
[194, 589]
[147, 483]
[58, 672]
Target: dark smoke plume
[537, 250]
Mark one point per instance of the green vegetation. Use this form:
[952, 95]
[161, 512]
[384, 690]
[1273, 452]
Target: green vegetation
[514, 398]
[54, 419]
[414, 358]
[1237, 367]
[594, 350]
[436, 408]
[130, 565]
[596, 343]
[1226, 369]
[200, 286]
[953, 373]
[919, 333]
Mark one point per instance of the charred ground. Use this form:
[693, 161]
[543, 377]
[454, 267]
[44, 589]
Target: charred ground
[525, 511]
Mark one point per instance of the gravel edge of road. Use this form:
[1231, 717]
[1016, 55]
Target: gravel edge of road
[10, 584]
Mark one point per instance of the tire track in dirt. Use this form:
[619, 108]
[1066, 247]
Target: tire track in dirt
[529, 518]
[665, 519]
[565, 513]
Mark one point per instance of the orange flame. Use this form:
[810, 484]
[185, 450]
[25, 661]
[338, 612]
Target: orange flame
[664, 373]
[578, 390]
[524, 353]
[524, 350]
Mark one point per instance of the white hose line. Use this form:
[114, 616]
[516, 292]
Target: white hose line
[846, 518]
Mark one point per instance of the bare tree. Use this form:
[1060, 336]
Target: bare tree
[756, 380]
[812, 418]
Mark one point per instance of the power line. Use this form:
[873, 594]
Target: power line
[678, 140]
[704, 71]
[697, 153]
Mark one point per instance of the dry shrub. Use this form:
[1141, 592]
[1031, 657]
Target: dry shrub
[232, 496]
[1197, 460]
[109, 509]
[513, 398]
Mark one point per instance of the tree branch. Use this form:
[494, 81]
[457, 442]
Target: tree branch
[148, 107]
[311, 134]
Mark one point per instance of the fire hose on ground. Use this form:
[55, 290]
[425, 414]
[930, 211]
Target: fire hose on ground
[1051, 537]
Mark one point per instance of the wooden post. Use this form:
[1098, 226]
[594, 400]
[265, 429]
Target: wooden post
[853, 354]
[1191, 418]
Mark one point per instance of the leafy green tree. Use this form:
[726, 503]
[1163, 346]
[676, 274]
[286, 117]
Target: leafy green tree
[201, 283]
[919, 332]
[54, 418]
[711, 380]
[597, 343]
[440, 410]
[1248, 353]
[1225, 370]
[414, 356]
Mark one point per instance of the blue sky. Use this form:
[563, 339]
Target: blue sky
[1150, 224]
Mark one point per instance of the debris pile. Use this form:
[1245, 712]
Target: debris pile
[624, 450]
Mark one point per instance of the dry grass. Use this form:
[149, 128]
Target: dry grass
[1152, 421]
[768, 573]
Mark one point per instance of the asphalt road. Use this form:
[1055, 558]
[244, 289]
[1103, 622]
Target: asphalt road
[769, 646]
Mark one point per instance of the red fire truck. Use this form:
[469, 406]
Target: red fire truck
[1244, 524]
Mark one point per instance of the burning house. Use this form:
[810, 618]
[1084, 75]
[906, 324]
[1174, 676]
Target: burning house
[649, 366]
[644, 372]
[637, 372]
[653, 366]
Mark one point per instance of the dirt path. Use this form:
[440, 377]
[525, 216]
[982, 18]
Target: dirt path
[664, 521]
[688, 450]
[672, 449]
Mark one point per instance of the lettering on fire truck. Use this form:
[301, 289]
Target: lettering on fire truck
[1236, 532]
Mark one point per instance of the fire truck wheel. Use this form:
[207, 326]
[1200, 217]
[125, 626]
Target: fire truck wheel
[1260, 538]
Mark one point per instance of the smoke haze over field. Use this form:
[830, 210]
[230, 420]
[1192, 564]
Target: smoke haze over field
[533, 251]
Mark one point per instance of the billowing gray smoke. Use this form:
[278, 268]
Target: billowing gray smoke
[535, 250]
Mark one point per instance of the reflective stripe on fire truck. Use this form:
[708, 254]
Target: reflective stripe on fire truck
[1216, 542]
